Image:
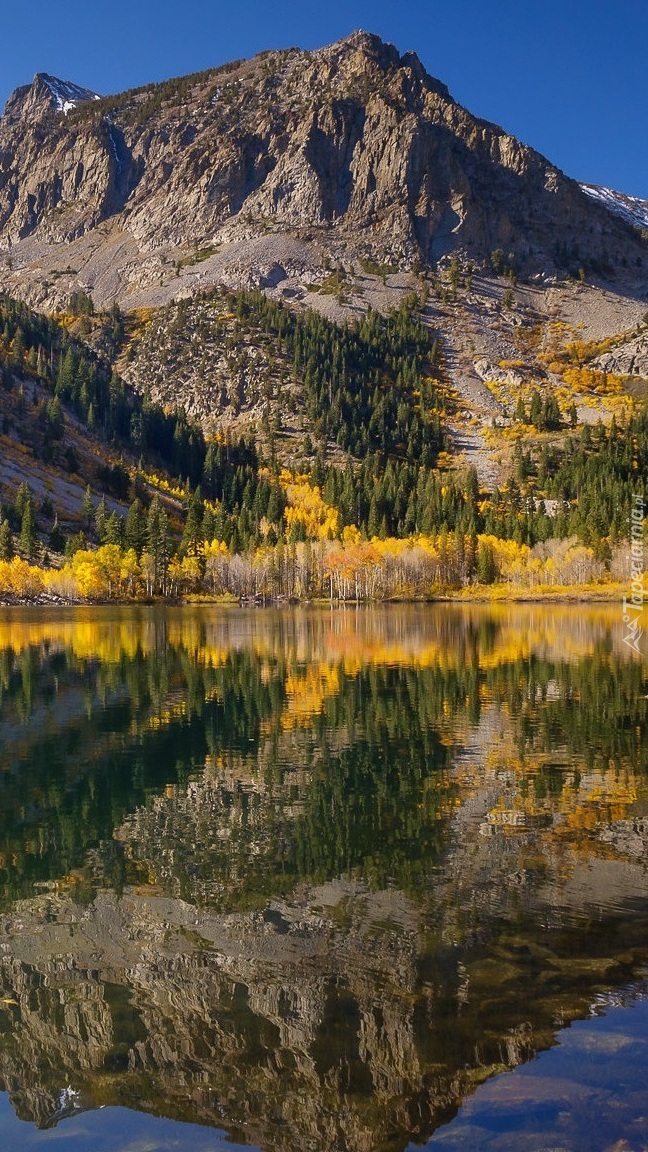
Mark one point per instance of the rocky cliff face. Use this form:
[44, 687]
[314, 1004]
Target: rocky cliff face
[353, 150]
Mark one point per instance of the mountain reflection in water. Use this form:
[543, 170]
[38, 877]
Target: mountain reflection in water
[310, 877]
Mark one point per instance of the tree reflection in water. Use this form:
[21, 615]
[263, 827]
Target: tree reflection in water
[311, 876]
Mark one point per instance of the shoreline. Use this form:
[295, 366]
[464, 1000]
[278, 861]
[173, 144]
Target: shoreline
[559, 596]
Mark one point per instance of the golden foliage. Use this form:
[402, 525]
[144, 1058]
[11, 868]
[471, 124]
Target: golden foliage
[108, 573]
[21, 579]
[307, 508]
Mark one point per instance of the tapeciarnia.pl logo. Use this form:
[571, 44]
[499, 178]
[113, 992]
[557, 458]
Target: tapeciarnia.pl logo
[633, 607]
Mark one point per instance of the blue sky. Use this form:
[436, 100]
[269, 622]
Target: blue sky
[566, 76]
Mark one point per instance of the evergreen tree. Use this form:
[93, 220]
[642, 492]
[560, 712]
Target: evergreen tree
[535, 411]
[100, 519]
[114, 529]
[87, 509]
[192, 537]
[135, 530]
[18, 350]
[208, 525]
[157, 533]
[56, 540]
[550, 419]
[74, 544]
[486, 566]
[6, 541]
[28, 538]
[23, 498]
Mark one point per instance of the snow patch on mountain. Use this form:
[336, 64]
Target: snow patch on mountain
[65, 94]
[629, 208]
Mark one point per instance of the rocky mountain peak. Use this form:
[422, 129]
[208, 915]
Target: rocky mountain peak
[263, 169]
[384, 56]
[370, 45]
[44, 95]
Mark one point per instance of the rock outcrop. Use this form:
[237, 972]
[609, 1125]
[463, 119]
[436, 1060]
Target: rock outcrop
[353, 149]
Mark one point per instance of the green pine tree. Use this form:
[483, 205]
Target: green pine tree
[28, 538]
[486, 566]
[56, 540]
[192, 536]
[157, 540]
[135, 529]
[114, 529]
[101, 517]
[6, 541]
[87, 509]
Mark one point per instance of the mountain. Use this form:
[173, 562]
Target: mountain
[262, 171]
[629, 208]
[45, 94]
[332, 268]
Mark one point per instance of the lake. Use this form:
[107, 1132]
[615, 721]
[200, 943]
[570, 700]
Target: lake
[325, 880]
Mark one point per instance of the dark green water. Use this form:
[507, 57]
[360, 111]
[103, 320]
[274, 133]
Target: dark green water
[313, 880]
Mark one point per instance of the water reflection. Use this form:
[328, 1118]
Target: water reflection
[311, 876]
[597, 1069]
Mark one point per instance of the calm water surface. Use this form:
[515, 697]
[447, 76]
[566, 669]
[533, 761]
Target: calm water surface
[323, 881]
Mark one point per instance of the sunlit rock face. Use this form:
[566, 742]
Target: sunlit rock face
[264, 167]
